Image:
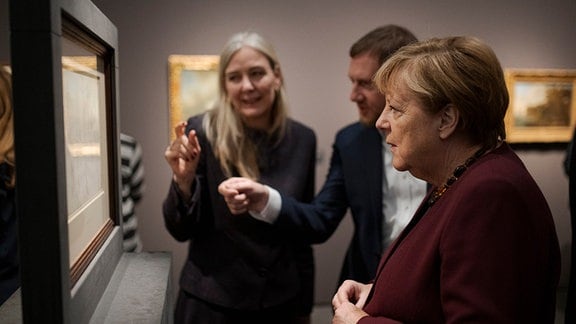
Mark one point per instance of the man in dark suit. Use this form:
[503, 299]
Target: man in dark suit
[361, 177]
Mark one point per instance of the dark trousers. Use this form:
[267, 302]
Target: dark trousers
[190, 309]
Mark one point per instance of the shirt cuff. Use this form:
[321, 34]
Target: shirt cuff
[272, 209]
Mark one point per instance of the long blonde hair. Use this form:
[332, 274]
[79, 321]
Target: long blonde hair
[223, 126]
[6, 123]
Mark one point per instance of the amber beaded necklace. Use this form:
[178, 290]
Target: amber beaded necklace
[438, 192]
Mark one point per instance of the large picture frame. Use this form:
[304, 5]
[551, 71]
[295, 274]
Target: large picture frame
[193, 86]
[67, 141]
[85, 88]
[542, 105]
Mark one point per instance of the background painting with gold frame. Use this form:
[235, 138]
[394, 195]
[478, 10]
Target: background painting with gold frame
[542, 105]
[193, 86]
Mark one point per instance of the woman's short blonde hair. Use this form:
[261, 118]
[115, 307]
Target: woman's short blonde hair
[462, 71]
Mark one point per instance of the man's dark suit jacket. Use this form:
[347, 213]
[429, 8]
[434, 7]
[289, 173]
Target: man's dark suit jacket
[354, 181]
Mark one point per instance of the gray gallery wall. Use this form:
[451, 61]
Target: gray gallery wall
[312, 40]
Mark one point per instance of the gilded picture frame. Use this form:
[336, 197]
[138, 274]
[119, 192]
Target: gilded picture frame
[193, 86]
[542, 105]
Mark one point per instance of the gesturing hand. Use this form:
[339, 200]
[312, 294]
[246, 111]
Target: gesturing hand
[183, 155]
[243, 195]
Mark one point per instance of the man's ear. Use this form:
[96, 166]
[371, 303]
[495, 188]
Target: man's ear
[449, 117]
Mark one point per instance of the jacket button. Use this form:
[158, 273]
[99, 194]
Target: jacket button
[262, 272]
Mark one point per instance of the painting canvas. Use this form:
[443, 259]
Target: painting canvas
[542, 105]
[193, 86]
[86, 154]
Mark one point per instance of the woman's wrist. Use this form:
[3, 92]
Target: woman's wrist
[184, 186]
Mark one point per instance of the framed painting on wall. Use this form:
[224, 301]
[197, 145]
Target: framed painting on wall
[542, 105]
[193, 86]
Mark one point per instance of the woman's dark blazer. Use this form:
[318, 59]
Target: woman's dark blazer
[236, 261]
[9, 262]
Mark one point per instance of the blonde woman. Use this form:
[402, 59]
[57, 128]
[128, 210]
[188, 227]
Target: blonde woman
[9, 267]
[239, 269]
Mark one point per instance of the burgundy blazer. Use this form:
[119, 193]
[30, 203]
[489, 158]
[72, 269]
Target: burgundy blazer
[485, 252]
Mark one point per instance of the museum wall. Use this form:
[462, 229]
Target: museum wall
[312, 39]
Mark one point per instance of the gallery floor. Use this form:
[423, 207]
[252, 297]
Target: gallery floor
[322, 314]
